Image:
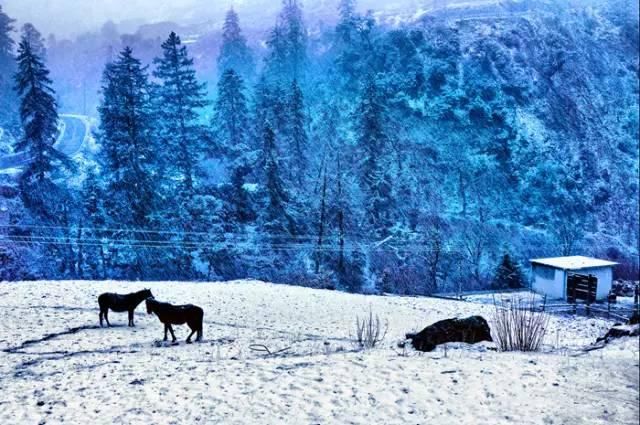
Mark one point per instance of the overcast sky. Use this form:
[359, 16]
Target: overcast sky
[71, 17]
[67, 17]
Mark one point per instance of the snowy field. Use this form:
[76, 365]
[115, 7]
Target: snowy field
[57, 366]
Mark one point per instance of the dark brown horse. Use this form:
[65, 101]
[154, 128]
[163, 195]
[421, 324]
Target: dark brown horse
[121, 303]
[177, 315]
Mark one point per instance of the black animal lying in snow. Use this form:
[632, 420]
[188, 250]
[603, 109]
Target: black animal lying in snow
[177, 315]
[121, 303]
[631, 328]
[470, 330]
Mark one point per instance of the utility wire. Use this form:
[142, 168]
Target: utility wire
[70, 229]
[147, 231]
[219, 246]
[248, 242]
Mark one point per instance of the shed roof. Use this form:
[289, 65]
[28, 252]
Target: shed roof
[575, 262]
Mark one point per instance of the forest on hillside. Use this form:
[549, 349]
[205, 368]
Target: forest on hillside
[360, 156]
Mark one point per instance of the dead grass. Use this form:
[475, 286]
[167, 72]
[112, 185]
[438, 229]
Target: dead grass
[518, 326]
[369, 331]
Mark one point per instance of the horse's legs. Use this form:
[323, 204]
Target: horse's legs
[172, 334]
[166, 328]
[131, 318]
[196, 326]
[106, 317]
[199, 337]
[100, 315]
[190, 335]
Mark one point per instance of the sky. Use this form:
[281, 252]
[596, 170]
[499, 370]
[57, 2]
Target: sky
[66, 18]
[69, 17]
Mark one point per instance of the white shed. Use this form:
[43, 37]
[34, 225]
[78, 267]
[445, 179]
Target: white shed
[550, 274]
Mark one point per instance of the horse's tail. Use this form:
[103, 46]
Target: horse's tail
[102, 301]
[200, 328]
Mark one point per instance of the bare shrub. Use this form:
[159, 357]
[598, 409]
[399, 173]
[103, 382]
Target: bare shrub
[369, 331]
[518, 326]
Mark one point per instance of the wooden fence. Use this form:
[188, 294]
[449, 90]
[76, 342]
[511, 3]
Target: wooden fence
[580, 301]
[596, 310]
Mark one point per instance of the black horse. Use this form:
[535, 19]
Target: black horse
[121, 303]
[177, 315]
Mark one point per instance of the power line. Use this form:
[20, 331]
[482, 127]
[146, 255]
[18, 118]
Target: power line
[229, 237]
[152, 241]
[167, 232]
[160, 232]
[311, 243]
[247, 247]
[249, 241]
[213, 246]
[228, 240]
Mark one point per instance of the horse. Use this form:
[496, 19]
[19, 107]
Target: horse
[121, 303]
[177, 315]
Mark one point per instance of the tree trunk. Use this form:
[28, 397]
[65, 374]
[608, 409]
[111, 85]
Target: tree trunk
[80, 256]
[462, 192]
[341, 229]
[322, 219]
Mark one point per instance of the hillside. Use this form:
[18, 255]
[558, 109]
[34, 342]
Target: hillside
[405, 155]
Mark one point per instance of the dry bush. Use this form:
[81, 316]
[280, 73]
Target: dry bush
[369, 331]
[517, 326]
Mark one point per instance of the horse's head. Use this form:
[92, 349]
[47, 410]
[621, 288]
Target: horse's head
[146, 293]
[149, 302]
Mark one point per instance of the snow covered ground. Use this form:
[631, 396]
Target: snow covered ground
[56, 365]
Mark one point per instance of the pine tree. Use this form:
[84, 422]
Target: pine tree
[230, 117]
[91, 260]
[347, 25]
[296, 37]
[261, 105]
[126, 136]
[278, 219]
[35, 40]
[8, 99]
[270, 106]
[287, 42]
[6, 42]
[179, 98]
[508, 275]
[231, 129]
[128, 153]
[243, 210]
[297, 133]
[373, 144]
[353, 49]
[47, 202]
[39, 117]
[234, 52]
[276, 68]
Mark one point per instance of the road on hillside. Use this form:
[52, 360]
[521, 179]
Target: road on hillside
[71, 140]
